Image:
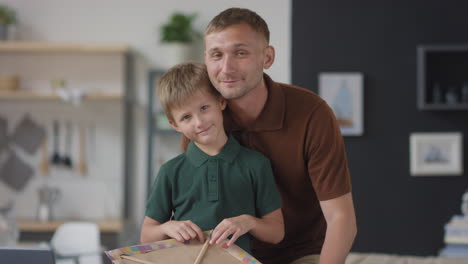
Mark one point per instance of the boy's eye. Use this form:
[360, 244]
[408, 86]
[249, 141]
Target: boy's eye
[185, 117]
[203, 108]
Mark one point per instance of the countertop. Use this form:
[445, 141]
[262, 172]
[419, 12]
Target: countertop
[105, 226]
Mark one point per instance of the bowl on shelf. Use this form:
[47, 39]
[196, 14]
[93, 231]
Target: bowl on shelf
[9, 83]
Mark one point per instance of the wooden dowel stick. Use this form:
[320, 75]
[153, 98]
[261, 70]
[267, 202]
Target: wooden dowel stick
[202, 251]
[136, 260]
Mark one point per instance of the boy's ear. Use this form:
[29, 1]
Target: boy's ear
[174, 126]
[222, 102]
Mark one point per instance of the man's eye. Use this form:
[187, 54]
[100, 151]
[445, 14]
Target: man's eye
[241, 53]
[216, 55]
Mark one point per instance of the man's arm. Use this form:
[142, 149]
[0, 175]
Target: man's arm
[153, 230]
[341, 229]
[269, 228]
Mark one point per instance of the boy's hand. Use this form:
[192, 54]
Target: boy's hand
[183, 230]
[235, 226]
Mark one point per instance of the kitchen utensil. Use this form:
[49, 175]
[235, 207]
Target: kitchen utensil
[14, 172]
[44, 164]
[48, 196]
[91, 145]
[3, 133]
[56, 159]
[66, 159]
[28, 135]
[82, 152]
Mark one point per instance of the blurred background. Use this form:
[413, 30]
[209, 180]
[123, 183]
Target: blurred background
[82, 136]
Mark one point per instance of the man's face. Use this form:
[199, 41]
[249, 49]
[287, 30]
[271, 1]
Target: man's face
[200, 118]
[235, 58]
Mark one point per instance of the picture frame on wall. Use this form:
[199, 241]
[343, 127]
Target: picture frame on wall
[343, 92]
[436, 154]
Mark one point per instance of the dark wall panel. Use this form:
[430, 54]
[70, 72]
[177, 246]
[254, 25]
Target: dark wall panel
[396, 213]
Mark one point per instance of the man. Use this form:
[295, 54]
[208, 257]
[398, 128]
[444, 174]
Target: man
[296, 130]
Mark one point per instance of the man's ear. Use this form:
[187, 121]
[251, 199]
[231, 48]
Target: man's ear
[174, 126]
[269, 57]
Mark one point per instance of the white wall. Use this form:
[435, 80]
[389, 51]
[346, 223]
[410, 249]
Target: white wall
[137, 23]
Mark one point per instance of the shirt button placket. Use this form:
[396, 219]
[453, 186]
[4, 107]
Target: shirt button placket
[213, 180]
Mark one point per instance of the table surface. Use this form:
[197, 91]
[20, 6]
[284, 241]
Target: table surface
[105, 226]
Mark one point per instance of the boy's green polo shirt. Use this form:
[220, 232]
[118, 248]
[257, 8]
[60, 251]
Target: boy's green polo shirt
[207, 189]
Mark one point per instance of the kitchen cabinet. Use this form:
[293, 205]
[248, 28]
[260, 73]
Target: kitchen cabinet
[442, 77]
[92, 68]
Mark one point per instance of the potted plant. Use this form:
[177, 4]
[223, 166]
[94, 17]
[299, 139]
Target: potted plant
[177, 37]
[7, 20]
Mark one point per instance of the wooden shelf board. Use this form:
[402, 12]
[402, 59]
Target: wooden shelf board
[19, 95]
[461, 106]
[19, 46]
[106, 226]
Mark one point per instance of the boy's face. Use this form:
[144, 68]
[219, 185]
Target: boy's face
[200, 118]
[235, 58]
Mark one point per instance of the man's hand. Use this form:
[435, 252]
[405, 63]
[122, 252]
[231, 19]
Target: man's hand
[182, 230]
[235, 226]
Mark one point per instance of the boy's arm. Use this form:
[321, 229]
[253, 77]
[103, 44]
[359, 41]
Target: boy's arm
[269, 228]
[153, 230]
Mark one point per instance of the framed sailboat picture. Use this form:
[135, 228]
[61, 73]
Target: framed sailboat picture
[436, 154]
[344, 94]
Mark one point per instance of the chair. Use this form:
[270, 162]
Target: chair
[77, 241]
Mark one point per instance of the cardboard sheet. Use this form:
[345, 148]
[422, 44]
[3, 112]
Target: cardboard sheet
[171, 251]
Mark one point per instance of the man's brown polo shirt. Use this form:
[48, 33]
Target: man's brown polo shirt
[298, 132]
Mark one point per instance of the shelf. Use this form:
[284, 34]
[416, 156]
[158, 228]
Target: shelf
[446, 107]
[442, 78]
[30, 60]
[108, 226]
[19, 46]
[25, 95]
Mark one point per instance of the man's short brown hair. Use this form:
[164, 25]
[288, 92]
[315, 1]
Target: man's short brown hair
[235, 16]
[180, 82]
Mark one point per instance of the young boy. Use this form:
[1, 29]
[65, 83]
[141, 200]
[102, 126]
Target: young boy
[216, 184]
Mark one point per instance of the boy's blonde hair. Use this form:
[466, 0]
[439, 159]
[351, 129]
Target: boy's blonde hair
[181, 82]
[235, 16]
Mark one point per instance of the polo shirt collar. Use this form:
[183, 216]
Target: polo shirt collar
[228, 153]
[272, 115]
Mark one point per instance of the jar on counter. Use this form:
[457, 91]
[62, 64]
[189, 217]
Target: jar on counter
[9, 233]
